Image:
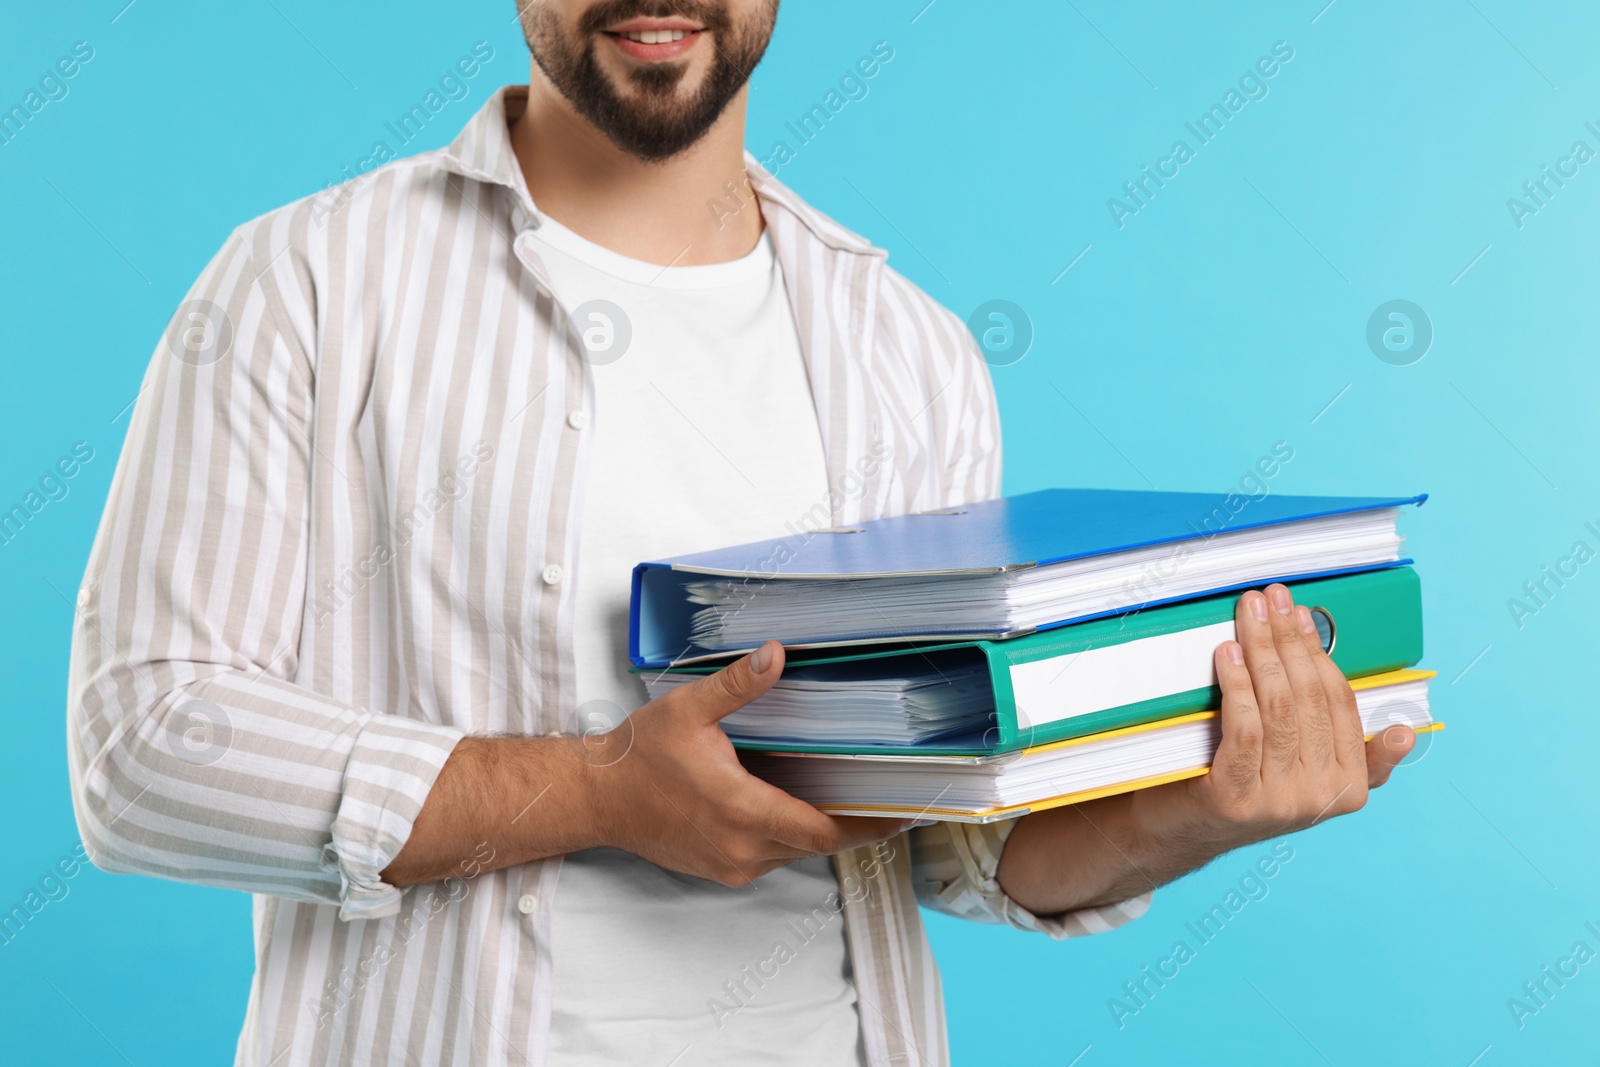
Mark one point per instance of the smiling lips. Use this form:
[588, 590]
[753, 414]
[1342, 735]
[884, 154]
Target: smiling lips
[652, 40]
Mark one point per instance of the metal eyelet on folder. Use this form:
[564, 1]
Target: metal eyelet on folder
[1327, 634]
[942, 511]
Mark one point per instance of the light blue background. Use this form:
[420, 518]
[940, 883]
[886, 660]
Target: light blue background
[1224, 317]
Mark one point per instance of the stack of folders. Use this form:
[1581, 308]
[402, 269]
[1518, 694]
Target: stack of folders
[984, 661]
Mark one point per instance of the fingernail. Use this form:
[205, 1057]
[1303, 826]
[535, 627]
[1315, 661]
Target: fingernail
[1234, 653]
[1258, 607]
[1303, 615]
[761, 659]
[1395, 737]
[1281, 600]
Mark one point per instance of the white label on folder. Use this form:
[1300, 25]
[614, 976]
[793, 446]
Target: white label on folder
[1063, 687]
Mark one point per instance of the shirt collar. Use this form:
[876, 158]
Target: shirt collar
[482, 151]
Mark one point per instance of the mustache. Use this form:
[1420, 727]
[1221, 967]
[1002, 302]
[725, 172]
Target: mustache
[713, 16]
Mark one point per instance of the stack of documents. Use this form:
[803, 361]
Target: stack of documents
[986, 788]
[985, 661]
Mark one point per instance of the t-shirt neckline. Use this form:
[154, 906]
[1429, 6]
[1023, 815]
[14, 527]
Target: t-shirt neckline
[755, 264]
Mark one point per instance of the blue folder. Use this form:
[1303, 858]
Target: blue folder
[1034, 529]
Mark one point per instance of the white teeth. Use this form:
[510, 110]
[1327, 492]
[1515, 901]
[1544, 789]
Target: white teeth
[656, 36]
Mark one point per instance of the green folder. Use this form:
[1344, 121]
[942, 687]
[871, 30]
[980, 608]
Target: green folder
[1131, 669]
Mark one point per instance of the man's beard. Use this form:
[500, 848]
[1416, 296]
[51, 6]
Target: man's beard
[653, 122]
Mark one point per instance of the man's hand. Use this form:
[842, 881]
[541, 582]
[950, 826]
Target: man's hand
[681, 799]
[1292, 754]
[1292, 751]
[664, 784]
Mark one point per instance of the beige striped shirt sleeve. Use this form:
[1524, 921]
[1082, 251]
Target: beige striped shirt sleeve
[192, 757]
[955, 870]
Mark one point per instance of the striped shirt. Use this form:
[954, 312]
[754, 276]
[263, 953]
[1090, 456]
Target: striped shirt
[335, 544]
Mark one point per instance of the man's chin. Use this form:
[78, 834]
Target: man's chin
[631, 81]
[652, 108]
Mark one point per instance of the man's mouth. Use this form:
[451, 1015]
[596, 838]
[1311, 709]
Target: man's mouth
[653, 40]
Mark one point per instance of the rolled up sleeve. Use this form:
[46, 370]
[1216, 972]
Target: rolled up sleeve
[391, 769]
[194, 755]
[953, 868]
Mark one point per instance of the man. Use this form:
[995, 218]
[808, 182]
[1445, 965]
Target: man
[352, 635]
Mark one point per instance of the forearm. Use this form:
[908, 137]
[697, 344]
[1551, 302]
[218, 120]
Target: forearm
[524, 798]
[1099, 853]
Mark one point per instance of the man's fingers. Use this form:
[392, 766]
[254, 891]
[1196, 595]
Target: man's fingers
[1274, 697]
[799, 825]
[1342, 710]
[1386, 750]
[1238, 759]
[857, 830]
[791, 821]
[719, 695]
[1314, 730]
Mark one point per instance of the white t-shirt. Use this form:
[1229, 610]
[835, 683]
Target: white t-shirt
[704, 436]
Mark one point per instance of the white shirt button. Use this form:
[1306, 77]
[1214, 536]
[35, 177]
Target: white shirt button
[528, 904]
[83, 597]
[553, 574]
[578, 419]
